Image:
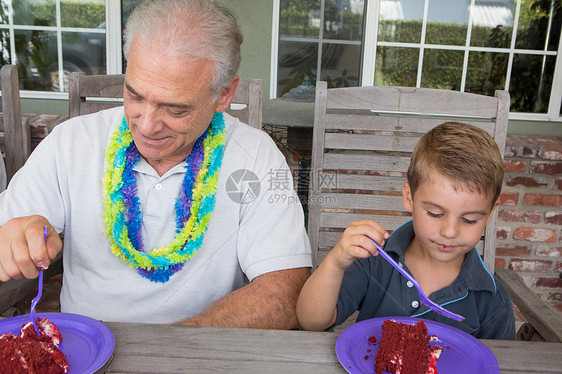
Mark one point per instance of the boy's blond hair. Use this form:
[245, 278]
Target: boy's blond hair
[465, 154]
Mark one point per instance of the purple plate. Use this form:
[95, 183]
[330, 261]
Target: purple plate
[87, 343]
[462, 353]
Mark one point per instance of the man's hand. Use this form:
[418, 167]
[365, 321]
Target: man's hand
[22, 248]
[269, 302]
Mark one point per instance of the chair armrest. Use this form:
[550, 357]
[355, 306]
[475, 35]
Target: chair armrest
[14, 291]
[546, 319]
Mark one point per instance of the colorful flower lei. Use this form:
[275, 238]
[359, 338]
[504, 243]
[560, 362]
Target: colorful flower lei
[194, 207]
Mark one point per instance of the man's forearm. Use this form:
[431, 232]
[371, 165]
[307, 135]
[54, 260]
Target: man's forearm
[269, 302]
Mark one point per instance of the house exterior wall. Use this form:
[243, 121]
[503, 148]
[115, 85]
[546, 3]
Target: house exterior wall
[255, 19]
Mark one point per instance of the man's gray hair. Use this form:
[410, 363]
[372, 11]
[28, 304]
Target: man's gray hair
[194, 28]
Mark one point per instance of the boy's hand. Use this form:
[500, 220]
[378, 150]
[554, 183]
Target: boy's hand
[354, 243]
[317, 306]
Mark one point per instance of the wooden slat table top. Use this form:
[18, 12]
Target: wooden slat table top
[149, 348]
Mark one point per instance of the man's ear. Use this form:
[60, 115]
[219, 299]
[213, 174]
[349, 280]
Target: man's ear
[407, 197]
[225, 97]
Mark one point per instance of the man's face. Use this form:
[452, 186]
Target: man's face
[168, 103]
[447, 222]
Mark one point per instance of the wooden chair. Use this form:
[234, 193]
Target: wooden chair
[249, 95]
[16, 140]
[91, 93]
[362, 141]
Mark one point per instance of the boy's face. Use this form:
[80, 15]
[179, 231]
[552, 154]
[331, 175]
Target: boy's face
[447, 222]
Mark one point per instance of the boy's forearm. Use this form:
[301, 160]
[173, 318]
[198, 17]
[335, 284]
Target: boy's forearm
[317, 304]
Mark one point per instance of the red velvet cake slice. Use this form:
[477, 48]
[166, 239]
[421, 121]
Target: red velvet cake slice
[405, 349]
[32, 353]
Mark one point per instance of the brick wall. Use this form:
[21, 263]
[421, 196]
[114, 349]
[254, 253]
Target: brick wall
[530, 215]
[529, 218]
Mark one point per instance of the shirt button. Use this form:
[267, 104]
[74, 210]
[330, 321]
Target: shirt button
[410, 284]
[400, 264]
[158, 186]
[415, 304]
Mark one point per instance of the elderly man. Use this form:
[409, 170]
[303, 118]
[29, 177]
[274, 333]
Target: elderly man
[167, 204]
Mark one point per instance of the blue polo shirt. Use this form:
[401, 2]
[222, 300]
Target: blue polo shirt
[374, 288]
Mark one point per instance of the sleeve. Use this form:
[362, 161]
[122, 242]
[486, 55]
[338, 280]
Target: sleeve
[272, 234]
[353, 289]
[34, 189]
[501, 322]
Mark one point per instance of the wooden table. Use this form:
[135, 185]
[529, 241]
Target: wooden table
[145, 348]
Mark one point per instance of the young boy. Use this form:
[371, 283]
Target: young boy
[454, 181]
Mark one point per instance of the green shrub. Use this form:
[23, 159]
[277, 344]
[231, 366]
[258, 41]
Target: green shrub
[73, 14]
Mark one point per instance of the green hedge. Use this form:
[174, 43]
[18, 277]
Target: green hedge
[73, 14]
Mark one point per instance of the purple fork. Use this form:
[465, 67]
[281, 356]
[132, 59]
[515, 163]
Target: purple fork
[424, 299]
[39, 292]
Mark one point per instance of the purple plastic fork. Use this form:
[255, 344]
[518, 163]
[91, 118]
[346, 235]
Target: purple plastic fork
[424, 299]
[39, 292]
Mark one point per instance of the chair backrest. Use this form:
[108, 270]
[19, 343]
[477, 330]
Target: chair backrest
[16, 142]
[248, 94]
[362, 141]
[91, 93]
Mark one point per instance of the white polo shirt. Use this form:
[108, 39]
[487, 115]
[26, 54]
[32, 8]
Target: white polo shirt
[257, 226]
[3, 177]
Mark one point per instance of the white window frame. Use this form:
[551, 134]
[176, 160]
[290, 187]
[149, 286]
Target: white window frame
[370, 47]
[112, 37]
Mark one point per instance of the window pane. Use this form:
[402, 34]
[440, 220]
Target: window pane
[486, 72]
[492, 24]
[5, 56]
[296, 59]
[90, 14]
[34, 12]
[396, 66]
[37, 58]
[3, 12]
[535, 19]
[299, 18]
[343, 20]
[83, 52]
[447, 23]
[127, 7]
[340, 64]
[399, 23]
[531, 82]
[442, 69]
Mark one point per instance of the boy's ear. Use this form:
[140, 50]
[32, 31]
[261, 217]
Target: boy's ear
[492, 211]
[407, 197]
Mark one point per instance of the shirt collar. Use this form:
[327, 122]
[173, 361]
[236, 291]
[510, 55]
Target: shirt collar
[400, 239]
[142, 166]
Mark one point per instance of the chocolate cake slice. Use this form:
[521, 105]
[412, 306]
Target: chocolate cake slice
[32, 353]
[405, 349]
